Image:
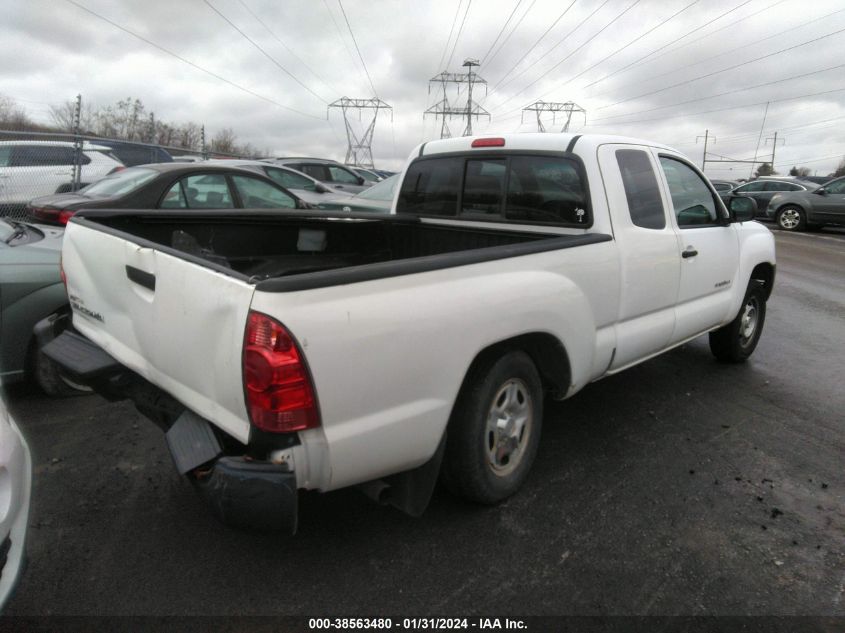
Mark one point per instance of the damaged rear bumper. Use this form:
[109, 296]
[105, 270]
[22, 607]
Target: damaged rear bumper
[241, 491]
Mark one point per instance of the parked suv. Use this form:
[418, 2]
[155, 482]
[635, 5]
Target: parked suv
[131, 154]
[29, 169]
[799, 210]
[328, 172]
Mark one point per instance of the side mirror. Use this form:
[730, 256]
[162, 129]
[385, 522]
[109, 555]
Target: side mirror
[821, 191]
[742, 208]
[361, 181]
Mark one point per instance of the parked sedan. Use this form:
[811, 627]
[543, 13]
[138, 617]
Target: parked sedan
[763, 189]
[31, 289]
[799, 210]
[170, 186]
[303, 186]
[15, 489]
[378, 198]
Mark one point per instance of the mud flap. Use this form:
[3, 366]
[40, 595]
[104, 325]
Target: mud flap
[411, 491]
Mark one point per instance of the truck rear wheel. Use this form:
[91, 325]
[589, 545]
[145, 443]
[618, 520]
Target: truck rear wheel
[495, 429]
[735, 342]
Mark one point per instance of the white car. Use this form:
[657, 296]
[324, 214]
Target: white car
[15, 487]
[29, 169]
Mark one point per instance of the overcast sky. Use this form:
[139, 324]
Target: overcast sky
[657, 69]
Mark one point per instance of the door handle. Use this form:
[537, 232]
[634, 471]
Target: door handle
[689, 252]
[141, 277]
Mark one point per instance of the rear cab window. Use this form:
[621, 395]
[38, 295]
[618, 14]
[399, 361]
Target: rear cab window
[519, 187]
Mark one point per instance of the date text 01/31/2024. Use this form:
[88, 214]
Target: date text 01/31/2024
[412, 624]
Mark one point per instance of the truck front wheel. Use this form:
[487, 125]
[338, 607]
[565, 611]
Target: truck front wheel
[494, 430]
[735, 342]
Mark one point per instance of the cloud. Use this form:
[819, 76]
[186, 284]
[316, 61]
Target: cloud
[622, 66]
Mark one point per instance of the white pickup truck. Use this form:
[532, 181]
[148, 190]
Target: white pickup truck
[309, 350]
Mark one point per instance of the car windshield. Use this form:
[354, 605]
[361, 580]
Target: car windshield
[383, 190]
[120, 183]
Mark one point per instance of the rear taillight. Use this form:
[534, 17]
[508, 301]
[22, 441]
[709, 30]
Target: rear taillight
[65, 215]
[279, 393]
[53, 216]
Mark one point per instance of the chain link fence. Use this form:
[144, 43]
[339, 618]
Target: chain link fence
[35, 164]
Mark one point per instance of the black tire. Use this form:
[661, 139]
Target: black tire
[51, 381]
[791, 218]
[736, 341]
[483, 465]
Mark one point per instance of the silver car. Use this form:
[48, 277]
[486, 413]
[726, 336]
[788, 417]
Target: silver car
[15, 489]
[328, 172]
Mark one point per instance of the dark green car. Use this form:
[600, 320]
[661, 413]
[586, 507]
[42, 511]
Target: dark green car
[377, 198]
[31, 289]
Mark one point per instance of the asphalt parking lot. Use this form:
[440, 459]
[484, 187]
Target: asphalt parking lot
[680, 487]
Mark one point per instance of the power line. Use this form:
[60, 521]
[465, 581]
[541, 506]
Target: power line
[677, 39]
[262, 51]
[190, 63]
[717, 72]
[513, 30]
[733, 50]
[287, 48]
[535, 44]
[354, 41]
[630, 6]
[449, 39]
[458, 36]
[560, 41]
[727, 109]
[729, 92]
[622, 48]
[340, 36]
[510, 17]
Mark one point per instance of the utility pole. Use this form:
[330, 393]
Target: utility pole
[203, 147]
[546, 106]
[359, 151]
[152, 133]
[76, 178]
[706, 137]
[774, 140]
[471, 110]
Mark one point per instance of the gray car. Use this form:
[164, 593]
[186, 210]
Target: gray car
[307, 188]
[328, 172]
[31, 289]
[763, 189]
[800, 210]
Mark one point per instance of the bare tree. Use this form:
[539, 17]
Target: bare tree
[840, 170]
[224, 141]
[800, 171]
[11, 115]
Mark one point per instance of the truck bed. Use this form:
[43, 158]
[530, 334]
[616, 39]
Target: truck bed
[285, 252]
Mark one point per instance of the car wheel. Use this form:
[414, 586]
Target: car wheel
[791, 218]
[495, 428]
[52, 382]
[736, 341]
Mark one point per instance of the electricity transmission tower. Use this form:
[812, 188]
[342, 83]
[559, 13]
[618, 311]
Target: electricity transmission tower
[546, 106]
[443, 108]
[359, 150]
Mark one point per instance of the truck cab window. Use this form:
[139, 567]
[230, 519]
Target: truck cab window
[641, 190]
[546, 189]
[483, 186]
[691, 197]
[431, 187]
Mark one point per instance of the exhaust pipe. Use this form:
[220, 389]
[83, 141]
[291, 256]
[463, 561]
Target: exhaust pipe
[378, 490]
